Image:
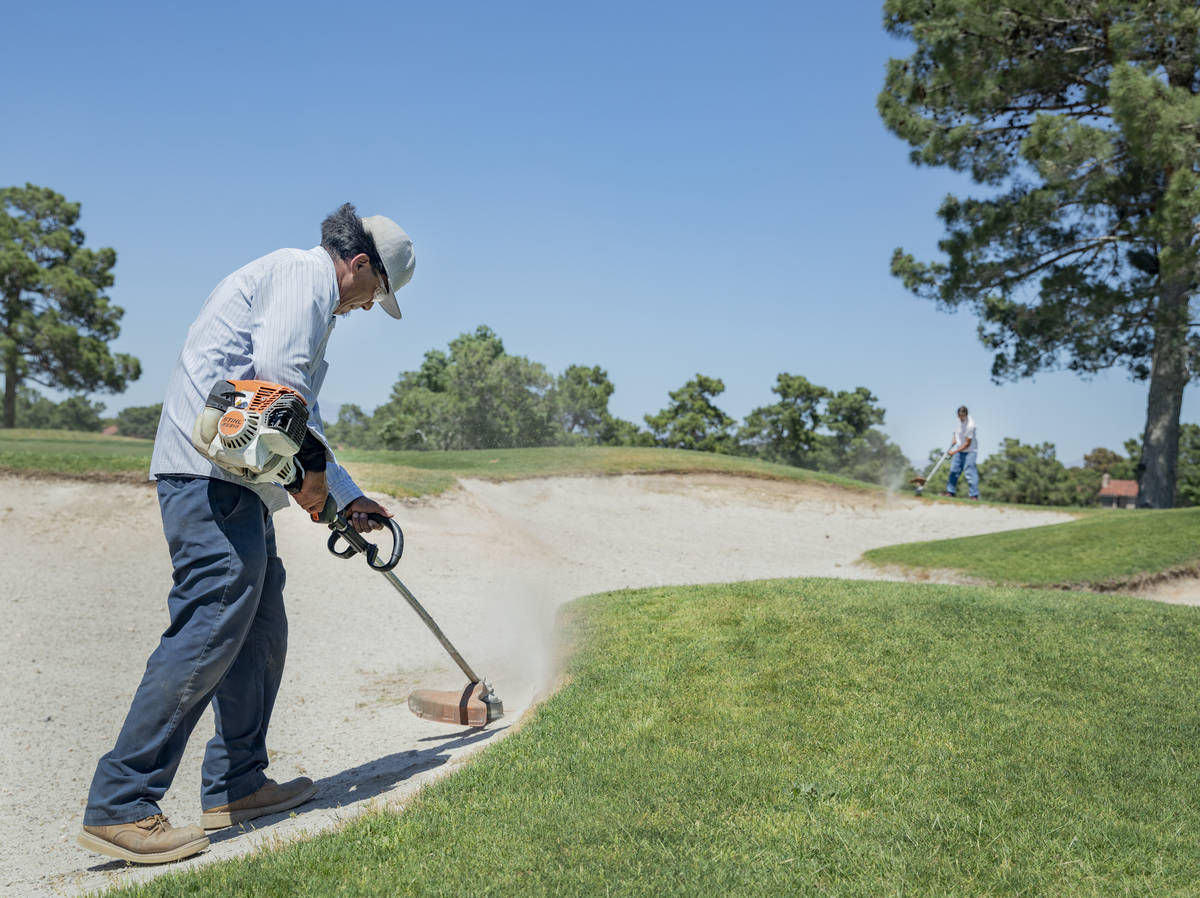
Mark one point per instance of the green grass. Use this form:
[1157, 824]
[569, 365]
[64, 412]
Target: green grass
[400, 473]
[1103, 549]
[809, 737]
[77, 453]
[392, 471]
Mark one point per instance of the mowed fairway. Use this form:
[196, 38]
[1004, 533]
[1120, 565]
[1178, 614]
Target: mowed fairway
[1104, 550]
[54, 452]
[810, 737]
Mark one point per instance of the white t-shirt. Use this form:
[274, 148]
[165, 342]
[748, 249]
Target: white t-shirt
[966, 431]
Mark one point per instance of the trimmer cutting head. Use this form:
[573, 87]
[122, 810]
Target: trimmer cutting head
[475, 706]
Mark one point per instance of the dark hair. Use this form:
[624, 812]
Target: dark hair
[343, 234]
[962, 410]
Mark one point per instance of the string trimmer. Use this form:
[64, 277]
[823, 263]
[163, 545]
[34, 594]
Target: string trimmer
[477, 704]
[920, 482]
[259, 431]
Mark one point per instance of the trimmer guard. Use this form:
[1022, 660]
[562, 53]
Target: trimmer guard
[474, 706]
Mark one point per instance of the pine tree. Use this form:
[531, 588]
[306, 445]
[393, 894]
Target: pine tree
[1082, 118]
[55, 321]
[692, 421]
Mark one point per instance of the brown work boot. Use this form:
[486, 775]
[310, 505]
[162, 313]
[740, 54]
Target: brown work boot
[151, 840]
[270, 799]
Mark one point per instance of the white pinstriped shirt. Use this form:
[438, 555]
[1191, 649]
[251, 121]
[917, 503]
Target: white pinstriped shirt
[269, 320]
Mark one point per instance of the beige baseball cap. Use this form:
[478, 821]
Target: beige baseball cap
[396, 252]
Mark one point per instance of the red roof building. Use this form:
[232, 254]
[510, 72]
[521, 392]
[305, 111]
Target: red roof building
[1118, 493]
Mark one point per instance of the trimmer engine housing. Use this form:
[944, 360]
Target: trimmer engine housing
[253, 428]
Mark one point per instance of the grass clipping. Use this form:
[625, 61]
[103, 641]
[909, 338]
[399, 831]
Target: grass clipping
[810, 737]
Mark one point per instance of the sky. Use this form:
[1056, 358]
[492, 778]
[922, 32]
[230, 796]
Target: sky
[663, 189]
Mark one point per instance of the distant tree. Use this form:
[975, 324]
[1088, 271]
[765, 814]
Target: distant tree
[1083, 486]
[1086, 481]
[1028, 474]
[353, 428]
[433, 375]
[505, 399]
[418, 418]
[787, 431]
[34, 410]
[813, 427]
[477, 396]
[849, 416]
[873, 458]
[581, 397]
[692, 421]
[78, 413]
[55, 321]
[619, 432]
[139, 421]
[1187, 483]
[1080, 118]
[74, 413]
[1105, 461]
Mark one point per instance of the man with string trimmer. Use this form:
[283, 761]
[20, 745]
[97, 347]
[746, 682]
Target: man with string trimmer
[270, 322]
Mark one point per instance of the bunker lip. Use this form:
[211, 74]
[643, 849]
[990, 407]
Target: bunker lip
[492, 561]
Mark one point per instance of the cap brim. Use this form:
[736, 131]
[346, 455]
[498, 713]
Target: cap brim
[390, 305]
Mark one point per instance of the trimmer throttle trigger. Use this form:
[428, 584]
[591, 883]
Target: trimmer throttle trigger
[327, 514]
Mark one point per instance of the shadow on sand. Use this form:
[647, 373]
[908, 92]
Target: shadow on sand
[366, 781]
[355, 784]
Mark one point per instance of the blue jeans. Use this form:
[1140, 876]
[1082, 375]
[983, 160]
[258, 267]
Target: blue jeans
[961, 461]
[225, 645]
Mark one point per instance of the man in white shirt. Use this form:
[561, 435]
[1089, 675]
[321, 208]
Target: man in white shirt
[227, 638]
[963, 454]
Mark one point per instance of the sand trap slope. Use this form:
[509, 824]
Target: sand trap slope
[84, 575]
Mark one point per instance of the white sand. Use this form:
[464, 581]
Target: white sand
[84, 575]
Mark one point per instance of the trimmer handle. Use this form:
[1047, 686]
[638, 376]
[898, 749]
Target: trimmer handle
[356, 542]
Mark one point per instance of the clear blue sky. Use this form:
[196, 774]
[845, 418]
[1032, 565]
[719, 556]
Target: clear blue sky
[658, 188]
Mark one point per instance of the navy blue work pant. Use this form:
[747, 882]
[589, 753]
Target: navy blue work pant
[226, 645]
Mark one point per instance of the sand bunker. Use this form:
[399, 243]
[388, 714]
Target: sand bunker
[84, 575]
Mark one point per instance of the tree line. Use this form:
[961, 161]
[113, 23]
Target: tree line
[476, 395]
[32, 409]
